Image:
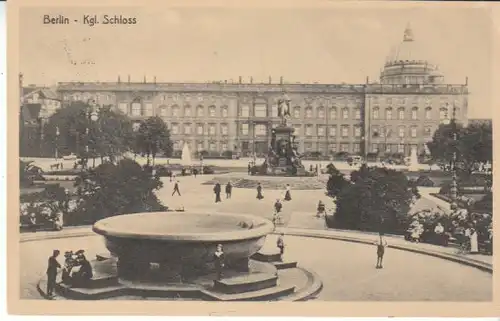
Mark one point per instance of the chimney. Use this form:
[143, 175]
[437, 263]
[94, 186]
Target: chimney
[119, 80]
[270, 80]
[251, 80]
[466, 81]
[144, 78]
[281, 80]
[240, 80]
[367, 80]
[154, 80]
[129, 79]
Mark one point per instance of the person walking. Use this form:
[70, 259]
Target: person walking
[280, 243]
[249, 169]
[381, 244]
[195, 172]
[259, 192]
[53, 266]
[217, 191]
[288, 195]
[176, 188]
[229, 190]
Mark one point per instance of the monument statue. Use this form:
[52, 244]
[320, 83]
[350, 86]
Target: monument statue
[283, 157]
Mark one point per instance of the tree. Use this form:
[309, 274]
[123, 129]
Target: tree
[377, 200]
[336, 181]
[110, 190]
[28, 173]
[109, 135]
[474, 144]
[153, 136]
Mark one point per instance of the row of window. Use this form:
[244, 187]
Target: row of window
[187, 129]
[309, 130]
[444, 113]
[138, 109]
[386, 132]
[212, 146]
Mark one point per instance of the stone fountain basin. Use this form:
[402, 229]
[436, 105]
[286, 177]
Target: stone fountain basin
[182, 237]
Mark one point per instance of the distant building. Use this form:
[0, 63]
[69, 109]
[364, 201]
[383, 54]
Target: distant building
[396, 115]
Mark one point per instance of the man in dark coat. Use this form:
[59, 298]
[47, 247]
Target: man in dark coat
[217, 191]
[229, 189]
[52, 268]
[176, 188]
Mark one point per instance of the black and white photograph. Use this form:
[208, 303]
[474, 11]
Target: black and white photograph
[327, 152]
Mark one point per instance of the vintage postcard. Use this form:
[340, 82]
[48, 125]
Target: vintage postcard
[320, 158]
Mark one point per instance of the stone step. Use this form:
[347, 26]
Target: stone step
[269, 294]
[102, 281]
[267, 256]
[285, 265]
[92, 293]
[246, 283]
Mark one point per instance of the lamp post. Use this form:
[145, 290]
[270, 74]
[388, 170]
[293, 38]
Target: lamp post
[92, 116]
[57, 144]
[454, 187]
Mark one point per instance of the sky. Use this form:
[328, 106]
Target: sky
[332, 44]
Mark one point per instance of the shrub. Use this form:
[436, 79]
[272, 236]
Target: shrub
[162, 171]
[110, 190]
[425, 181]
[485, 204]
[207, 170]
[377, 200]
[336, 181]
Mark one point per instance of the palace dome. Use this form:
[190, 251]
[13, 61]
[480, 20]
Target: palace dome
[407, 64]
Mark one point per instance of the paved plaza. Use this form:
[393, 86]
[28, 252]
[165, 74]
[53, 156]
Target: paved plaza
[347, 269]
[346, 277]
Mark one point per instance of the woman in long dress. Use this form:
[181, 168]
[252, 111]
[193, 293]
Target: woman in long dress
[288, 195]
[473, 241]
[259, 192]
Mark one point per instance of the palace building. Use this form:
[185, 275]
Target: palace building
[395, 115]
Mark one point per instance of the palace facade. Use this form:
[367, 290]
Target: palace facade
[395, 115]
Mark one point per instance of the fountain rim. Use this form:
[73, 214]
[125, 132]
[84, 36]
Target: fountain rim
[265, 227]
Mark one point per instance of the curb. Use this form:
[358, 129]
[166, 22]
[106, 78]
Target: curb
[483, 266]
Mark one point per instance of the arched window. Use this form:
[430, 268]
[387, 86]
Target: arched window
[200, 111]
[401, 113]
[187, 110]
[428, 113]
[321, 112]
[309, 112]
[413, 131]
[388, 113]
[333, 113]
[345, 113]
[414, 113]
[175, 111]
[401, 131]
[212, 111]
[357, 113]
[376, 113]
[224, 111]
